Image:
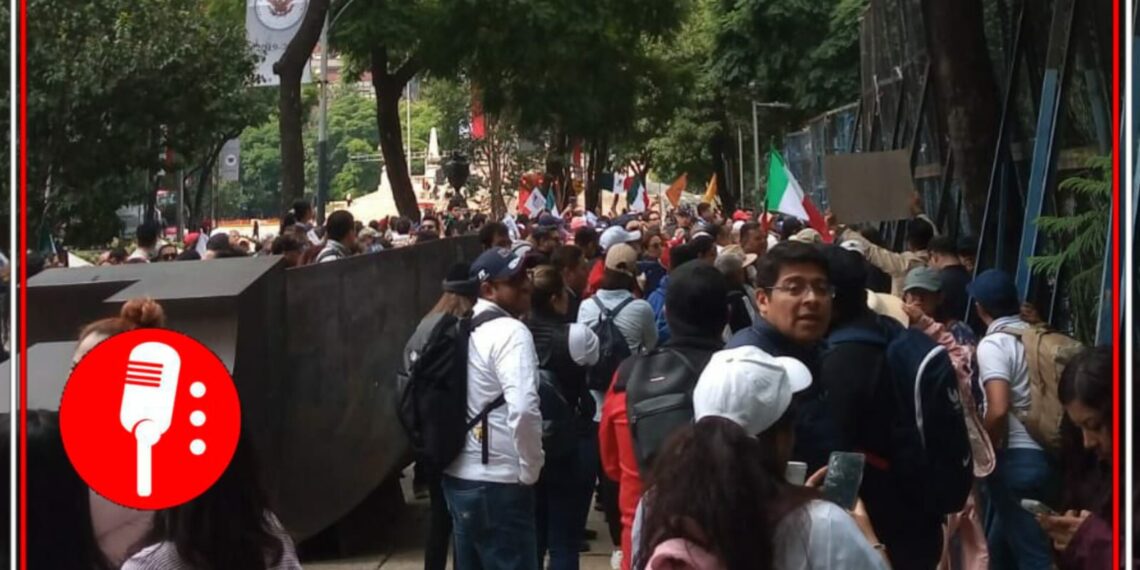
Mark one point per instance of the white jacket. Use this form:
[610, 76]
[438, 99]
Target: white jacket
[501, 360]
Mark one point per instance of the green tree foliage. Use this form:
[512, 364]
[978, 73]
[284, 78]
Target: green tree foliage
[110, 75]
[728, 52]
[802, 52]
[1079, 240]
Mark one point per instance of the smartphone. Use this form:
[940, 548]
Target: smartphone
[844, 476]
[1037, 507]
[796, 473]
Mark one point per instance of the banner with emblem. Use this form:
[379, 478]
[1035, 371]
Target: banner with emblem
[269, 26]
[229, 161]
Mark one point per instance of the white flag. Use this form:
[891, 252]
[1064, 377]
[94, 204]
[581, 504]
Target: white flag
[536, 202]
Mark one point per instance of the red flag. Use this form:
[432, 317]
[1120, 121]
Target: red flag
[817, 221]
[478, 126]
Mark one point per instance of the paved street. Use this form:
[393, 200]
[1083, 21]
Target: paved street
[409, 555]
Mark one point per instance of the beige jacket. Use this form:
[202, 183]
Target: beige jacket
[897, 265]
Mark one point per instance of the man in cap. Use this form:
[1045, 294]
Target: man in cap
[613, 236]
[742, 312]
[502, 373]
[923, 289]
[1023, 469]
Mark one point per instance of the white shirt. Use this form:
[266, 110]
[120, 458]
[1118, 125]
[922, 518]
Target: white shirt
[502, 360]
[583, 345]
[822, 536]
[1001, 358]
[817, 536]
[164, 555]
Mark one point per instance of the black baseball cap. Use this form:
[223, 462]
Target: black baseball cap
[496, 264]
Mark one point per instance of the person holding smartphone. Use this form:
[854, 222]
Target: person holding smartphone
[719, 497]
[1082, 535]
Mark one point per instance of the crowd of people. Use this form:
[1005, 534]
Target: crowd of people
[674, 372]
[669, 371]
[299, 239]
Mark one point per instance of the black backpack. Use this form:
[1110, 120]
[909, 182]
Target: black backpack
[559, 410]
[432, 404]
[658, 390]
[612, 347]
[928, 455]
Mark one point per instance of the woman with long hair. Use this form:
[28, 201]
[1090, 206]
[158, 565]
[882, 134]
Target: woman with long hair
[118, 529]
[1082, 535]
[60, 532]
[457, 300]
[228, 526]
[566, 484]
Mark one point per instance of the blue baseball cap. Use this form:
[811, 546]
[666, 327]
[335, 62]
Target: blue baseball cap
[496, 264]
[994, 289]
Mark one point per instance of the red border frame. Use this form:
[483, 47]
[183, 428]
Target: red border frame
[22, 241]
[1117, 340]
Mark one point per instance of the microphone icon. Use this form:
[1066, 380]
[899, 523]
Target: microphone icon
[149, 391]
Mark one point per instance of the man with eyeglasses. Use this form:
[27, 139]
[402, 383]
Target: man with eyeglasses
[794, 296]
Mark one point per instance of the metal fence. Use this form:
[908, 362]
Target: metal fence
[1051, 58]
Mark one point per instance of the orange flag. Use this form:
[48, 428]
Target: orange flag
[675, 189]
[710, 193]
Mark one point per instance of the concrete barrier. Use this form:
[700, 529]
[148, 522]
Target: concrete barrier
[313, 352]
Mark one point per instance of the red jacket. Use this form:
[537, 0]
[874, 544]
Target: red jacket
[620, 464]
[594, 281]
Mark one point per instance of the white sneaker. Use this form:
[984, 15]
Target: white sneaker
[615, 560]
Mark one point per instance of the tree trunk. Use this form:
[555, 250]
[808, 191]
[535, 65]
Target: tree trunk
[967, 92]
[495, 157]
[290, 68]
[389, 88]
[599, 151]
[205, 179]
[718, 146]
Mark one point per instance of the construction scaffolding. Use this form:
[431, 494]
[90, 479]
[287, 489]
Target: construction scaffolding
[1049, 62]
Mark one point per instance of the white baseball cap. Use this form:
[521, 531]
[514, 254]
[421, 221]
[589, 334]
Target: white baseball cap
[749, 387]
[615, 235]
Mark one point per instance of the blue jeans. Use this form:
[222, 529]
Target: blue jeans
[493, 524]
[1014, 536]
[561, 516]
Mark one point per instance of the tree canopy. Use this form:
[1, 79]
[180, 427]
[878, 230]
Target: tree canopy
[117, 83]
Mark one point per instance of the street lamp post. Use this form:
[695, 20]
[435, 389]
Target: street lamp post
[323, 116]
[756, 138]
[322, 127]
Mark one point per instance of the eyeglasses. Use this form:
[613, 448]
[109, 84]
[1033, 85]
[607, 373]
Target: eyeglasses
[170, 257]
[798, 289]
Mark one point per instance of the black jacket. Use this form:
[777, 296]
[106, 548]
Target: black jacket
[857, 381]
[816, 432]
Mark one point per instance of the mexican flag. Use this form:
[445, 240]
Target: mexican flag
[786, 196]
[638, 198]
[550, 205]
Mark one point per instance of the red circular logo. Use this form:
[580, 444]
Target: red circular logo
[150, 418]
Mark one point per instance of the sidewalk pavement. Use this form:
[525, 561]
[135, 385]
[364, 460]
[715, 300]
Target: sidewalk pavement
[408, 555]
